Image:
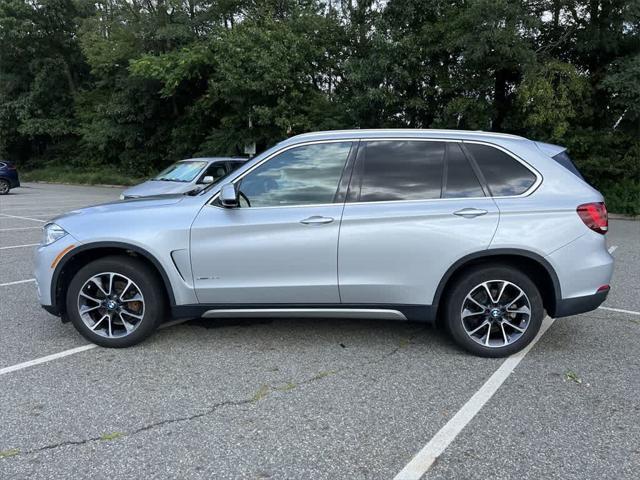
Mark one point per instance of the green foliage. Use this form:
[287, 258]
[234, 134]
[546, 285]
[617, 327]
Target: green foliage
[105, 175]
[126, 87]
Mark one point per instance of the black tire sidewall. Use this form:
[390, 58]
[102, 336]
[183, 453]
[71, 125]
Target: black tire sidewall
[3, 182]
[471, 279]
[149, 285]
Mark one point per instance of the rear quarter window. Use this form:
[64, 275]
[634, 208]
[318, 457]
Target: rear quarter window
[505, 175]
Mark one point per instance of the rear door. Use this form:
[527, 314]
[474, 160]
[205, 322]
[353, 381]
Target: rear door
[414, 207]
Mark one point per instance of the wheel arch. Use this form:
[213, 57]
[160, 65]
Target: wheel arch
[535, 266]
[75, 259]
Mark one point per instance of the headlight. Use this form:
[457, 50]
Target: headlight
[122, 197]
[52, 232]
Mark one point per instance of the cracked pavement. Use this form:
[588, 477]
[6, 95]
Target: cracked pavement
[308, 398]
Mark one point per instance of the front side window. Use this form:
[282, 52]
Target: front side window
[402, 170]
[503, 173]
[303, 175]
[181, 172]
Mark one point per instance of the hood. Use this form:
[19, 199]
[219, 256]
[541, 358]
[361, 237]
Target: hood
[158, 187]
[123, 206]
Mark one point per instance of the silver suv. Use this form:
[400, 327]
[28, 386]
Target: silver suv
[483, 232]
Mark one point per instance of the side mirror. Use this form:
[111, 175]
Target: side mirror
[207, 179]
[229, 196]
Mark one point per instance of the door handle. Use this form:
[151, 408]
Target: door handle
[470, 212]
[316, 220]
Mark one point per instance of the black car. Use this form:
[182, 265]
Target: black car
[8, 177]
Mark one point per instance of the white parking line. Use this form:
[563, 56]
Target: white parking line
[23, 218]
[630, 312]
[612, 248]
[19, 246]
[419, 465]
[46, 359]
[18, 228]
[71, 351]
[17, 282]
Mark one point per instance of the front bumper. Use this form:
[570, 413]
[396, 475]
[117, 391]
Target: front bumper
[46, 259]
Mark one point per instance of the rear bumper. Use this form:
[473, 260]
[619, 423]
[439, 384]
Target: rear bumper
[573, 306]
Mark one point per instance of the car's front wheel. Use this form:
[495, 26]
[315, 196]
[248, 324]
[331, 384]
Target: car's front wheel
[494, 311]
[115, 301]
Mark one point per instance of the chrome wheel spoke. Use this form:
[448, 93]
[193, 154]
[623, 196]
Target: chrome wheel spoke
[478, 327]
[488, 290]
[469, 297]
[504, 286]
[521, 330]
[486, 342]
[138, 317]
[98, 284]
[515, 299]
[93, 299]
[524, 310]
[129, 283]
[504, 334]
[136, 298]
[86, 309]
[468, 313]
[126, 324]
[95, 325]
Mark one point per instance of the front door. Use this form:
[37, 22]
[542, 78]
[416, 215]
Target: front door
[281, 245]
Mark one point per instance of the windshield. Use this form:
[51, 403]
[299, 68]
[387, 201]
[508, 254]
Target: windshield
[181, 172]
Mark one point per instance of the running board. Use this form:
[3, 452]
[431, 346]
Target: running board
[365, 313]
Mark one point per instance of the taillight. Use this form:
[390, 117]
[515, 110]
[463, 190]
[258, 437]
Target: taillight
[594, 216]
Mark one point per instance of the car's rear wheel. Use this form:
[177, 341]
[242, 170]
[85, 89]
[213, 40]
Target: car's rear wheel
[494, 311]
[4, 186]
[115, 301]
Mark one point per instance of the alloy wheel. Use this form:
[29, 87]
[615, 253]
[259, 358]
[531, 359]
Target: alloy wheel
[111, 305]
[495, 313]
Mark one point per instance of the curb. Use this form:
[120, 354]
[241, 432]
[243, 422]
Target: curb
[620, 216]
[105, 185]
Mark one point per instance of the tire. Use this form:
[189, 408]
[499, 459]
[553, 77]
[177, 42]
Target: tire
[139, 306]
[503, 327]
[5, 186]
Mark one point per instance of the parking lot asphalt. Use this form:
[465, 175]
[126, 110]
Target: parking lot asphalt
[306, 398]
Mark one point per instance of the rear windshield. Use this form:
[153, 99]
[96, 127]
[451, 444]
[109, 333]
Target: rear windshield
[563, 159]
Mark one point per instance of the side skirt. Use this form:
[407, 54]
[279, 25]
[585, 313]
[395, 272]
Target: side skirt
[416, 313]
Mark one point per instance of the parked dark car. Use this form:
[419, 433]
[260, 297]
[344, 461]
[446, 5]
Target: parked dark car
[8, 177]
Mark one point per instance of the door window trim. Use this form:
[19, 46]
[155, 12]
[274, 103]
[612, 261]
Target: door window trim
[355, 176]
[346, 172]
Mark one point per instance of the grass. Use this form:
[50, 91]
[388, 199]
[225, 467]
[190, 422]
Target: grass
[9, 453]
[71, 175]
[111, 436]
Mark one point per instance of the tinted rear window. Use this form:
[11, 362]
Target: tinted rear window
[503, 173]
[563, 159]
[402, 170]
[461, 181]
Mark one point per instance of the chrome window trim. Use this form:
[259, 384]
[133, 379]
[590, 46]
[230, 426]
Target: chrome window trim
[526, 193]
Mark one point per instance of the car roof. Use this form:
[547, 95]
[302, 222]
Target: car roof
[478, 135]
